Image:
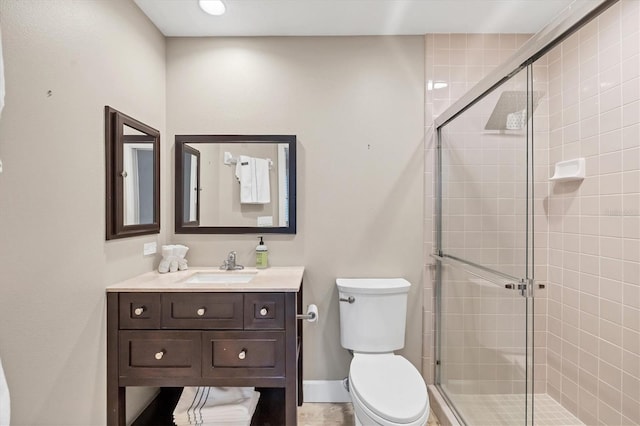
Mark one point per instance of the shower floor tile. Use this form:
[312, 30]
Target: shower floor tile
[506, 409]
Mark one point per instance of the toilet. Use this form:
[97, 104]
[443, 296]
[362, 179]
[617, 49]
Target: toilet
[386, 389]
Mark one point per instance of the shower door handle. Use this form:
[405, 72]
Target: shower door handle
[515, 286]
[522, 288]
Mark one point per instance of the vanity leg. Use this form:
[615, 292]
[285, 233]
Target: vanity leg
[116, 408]
[115, 394]
[291, 363]
[300, 341]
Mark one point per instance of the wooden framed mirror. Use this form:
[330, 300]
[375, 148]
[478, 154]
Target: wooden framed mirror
[235, 184]
[132, 153]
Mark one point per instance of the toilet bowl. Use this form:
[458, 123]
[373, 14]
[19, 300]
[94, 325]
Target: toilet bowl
[385, 388]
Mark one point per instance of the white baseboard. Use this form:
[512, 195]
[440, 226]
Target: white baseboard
[325, 391]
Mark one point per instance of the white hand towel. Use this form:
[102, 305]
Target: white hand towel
[173, 263]
[224, 420]
[263, 187]
[243, 174]
[215, 405]
[253, 175]
[165, 263]
[182, 262]
[5, 401]
[232, 414]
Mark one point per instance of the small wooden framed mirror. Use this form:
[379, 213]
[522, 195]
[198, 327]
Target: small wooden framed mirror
[132, 153]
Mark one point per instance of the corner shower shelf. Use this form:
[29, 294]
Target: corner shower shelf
[570, 170]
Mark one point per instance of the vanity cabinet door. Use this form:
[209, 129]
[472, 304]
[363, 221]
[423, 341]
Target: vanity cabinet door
[243, 354]
[159, 354]
[202, 311]
[264, 311]
[139, 310]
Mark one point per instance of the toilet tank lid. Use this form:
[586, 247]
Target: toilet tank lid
[373, 285]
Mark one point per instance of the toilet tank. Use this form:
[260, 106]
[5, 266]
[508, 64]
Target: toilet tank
[375, 320]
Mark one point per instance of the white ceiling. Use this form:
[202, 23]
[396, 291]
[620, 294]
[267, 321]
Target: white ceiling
[183, 18]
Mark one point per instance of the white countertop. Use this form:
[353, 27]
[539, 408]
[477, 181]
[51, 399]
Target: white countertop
[275, 278]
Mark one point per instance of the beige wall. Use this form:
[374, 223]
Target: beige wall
[54, 260]
[356, 106]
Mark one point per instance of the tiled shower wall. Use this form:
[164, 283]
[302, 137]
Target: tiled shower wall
[593, 341]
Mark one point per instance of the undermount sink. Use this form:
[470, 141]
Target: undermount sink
[220, 278]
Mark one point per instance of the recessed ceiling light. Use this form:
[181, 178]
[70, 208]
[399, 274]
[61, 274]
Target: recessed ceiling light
[212, 7]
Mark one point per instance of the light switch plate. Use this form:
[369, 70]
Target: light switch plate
[150, 248]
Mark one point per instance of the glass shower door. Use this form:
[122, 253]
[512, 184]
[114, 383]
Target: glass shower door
[484, 359]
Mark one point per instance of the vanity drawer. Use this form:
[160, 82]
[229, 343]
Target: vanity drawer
[243, 354]
[139, 310]
[202, 310]
[264, 311]
[158, 354]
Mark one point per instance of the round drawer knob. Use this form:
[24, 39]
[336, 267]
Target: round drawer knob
[139, 310]
[242, 354]
[201, 312]
[264, 311]
[159, 355]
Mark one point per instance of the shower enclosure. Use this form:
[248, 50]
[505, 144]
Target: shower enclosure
[536, 324]
[485, 254]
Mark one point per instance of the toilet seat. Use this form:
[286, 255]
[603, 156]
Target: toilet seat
[390, 387]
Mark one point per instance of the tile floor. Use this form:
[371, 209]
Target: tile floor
[508, 410]
[316, 414]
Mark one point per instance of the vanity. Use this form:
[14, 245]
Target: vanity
[206, 327]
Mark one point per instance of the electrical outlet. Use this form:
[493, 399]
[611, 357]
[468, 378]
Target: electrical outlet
[150, 248]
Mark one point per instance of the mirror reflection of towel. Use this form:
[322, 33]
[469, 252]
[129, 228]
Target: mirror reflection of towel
[253, 175]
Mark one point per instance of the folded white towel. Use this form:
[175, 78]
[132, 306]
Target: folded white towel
[253, 175]
[165, 263]
[215, 406]
[180, 252]
[236, 415]
[173, 258]
[218, 419]
[5, 402]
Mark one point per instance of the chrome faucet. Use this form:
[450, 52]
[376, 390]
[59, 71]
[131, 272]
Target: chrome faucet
[230, 263]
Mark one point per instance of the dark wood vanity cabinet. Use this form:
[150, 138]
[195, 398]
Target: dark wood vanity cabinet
[176, 339]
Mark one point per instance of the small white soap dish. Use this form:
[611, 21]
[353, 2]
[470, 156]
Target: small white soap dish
[569, 170]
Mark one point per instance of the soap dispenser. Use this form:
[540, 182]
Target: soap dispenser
[262, 255]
